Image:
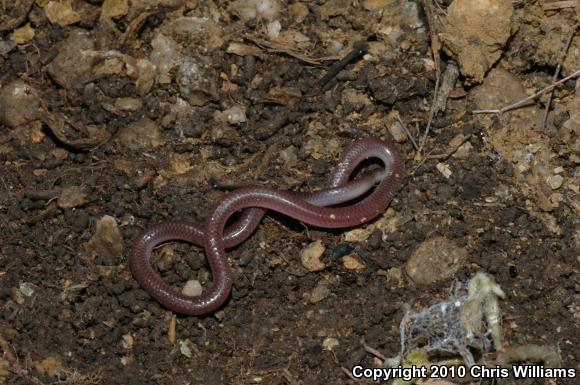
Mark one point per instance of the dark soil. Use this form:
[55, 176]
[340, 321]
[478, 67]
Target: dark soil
[88, 317]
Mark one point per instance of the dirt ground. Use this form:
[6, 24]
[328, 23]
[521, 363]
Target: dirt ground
[115, 115]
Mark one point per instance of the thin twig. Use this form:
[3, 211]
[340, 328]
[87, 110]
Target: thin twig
[525, 101]
[556, 74]
[409, 135]
[374, 352]
[272, 46]
[431, 116]
[435, 48]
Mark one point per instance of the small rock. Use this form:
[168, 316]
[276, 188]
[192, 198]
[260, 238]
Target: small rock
[27, 289]
[329, 343]
[474, 32]
[320, 292]
[310, 256]
[350, 262]
[184, 349]
[358, 235]
[396, 128]
[555, 181]
[115, 8]
[195, 81]
[273, 29]
[410, 15]
[463, 151]
[233, 115]
[22, 35]
[220, 315]
[289, 156]
[394, 274]
[107, 240]
[73, 196]
[61, 13]
[70, 68]
[59, 153]
[127, 341]
[144, 71]
[250, 9]
[192, 288]
[126, 360]
[435, 260]
[444, 169]
[128, 104]
[354, 100]
[19, 104]
[236, 114]
[141, 134]
[165, 54]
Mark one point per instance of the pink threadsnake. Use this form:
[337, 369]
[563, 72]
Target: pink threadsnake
[376, 190]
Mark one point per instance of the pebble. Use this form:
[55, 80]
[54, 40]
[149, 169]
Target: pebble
[444, 169]
[233, 115]
[555, 181]
[141, 134]
[195, 80]
[107, 240]
[310, 256]
[69, 69]
[27, 289]
[115, 8]
[184, 349]
[435, 260]
[127, 341]
[475, 32]
[463, 151]
[192, 288]
[19, 104]
[330, 343]
[289, 156]
[350, 262]
[61, 13]
[320, 292]
[397, 130]
[70, 197]
[394, 274]
[250, 9]
[354, 100]
[23, 35]
[128, 104]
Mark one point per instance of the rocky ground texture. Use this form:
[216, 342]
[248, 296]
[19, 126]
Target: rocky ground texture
[117, 114]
